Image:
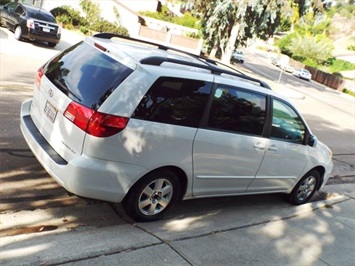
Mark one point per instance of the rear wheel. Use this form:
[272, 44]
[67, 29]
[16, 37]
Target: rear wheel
[152, 196]
[305, 188]
[52, 44]
[18, 33]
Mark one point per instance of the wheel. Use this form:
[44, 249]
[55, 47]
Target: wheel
[52, 44]
[152, 196]
[18, 33]
[305, 188]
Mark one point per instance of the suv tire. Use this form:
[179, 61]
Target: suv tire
[152, 196]
[18, 33]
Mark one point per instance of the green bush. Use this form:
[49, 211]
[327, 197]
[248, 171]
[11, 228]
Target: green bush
[285, 42]
[84, 30]
[352, 93]
[64, 20]
[69, 15]
[4, 2]
[351, 47]
[71, 18]
[106, 26]
[188, 20]
[341, 65]
[337, 74]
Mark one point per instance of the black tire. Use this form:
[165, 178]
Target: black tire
[52, 44]
[18, 33]
[152, 196]
[305, 188]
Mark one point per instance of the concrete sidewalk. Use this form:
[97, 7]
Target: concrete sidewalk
[249, 230]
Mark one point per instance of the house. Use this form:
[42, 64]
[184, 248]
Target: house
[140, 27]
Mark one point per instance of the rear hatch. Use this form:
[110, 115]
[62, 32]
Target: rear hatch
[68, 92]
[42, 23]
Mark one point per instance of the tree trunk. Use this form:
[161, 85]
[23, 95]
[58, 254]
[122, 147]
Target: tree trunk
[226, 56]
[213, 51]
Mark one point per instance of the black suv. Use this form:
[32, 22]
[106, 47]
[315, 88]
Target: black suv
[30, 22]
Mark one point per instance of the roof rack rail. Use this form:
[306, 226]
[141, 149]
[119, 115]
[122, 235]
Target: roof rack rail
[158, 60]
[208, 64]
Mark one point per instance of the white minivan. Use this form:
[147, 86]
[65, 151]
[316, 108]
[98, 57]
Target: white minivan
[147, 125]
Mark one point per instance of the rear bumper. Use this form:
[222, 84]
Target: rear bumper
[29, 34]
[84, 176]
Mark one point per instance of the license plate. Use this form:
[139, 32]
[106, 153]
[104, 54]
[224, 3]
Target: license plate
[46, 30]
[50, 111]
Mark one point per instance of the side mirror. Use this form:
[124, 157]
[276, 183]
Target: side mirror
[312, 141]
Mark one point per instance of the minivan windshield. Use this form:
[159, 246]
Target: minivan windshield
[85, 74]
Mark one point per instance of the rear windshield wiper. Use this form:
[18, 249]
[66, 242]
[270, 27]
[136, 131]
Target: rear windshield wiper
[65, 89]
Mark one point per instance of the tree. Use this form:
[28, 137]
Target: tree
[91, 10]
[230, 23]
[315, 50]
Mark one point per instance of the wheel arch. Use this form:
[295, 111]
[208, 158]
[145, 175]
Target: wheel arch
[321, 171]
[177, 171]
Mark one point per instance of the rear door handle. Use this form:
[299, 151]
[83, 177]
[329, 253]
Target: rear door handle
[259, 146]
[272, 148]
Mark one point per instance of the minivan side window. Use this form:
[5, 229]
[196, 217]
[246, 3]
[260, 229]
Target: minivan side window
[174, 101]
[286, 123]
[237, 110]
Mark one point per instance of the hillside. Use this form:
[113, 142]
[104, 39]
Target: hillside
[343, 35]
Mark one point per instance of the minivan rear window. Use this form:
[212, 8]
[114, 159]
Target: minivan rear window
[85, 74]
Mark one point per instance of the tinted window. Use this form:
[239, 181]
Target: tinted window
[85, 74]
[237, 110]
[174, 101]
[286, 124]
[40, 15]
[20, 10]
[11, 6]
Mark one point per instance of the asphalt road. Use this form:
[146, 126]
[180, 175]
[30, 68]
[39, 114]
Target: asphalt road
[33, 205]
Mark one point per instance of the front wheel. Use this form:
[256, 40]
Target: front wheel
[18, 33]
[305, 188]
[152, 196]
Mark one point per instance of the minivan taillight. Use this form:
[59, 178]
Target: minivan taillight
[39, 76]
[95, 123]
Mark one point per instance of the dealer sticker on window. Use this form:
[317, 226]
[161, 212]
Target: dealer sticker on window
[50, 111]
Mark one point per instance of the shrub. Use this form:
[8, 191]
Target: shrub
[69, 15]
[84, 30]
[338, 74]
[4, 2]
[285, 42]
[351, 47]
[106, 26]
[188, 20]
[352, 93]
[341, 65]
[71, 18]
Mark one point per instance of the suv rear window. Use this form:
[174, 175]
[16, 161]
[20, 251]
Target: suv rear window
[86, 75]
[40, 14]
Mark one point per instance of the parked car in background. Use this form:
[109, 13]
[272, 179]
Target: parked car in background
[31, 23]
[275, 61]
[288, 68]
[237, 57]
[303, 74]
[148, 125]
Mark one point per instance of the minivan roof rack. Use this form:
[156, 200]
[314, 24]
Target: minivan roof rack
[208, 64]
